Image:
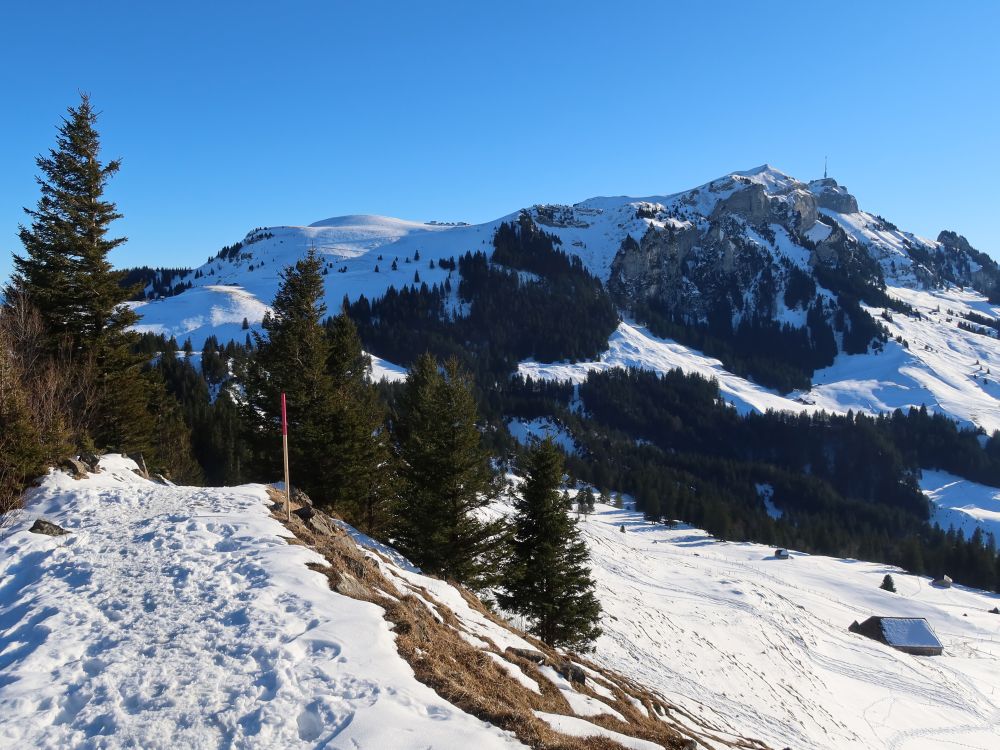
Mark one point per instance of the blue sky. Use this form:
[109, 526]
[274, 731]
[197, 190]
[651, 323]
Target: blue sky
[234, 115]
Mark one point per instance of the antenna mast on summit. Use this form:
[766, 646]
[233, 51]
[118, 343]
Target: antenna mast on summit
[824, 167]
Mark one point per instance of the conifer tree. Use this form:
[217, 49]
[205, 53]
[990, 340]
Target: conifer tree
[291, 357]
[547, 579]
[360, 473]
[65, 271]
[888, 584]
[446, 477]
[65, 274]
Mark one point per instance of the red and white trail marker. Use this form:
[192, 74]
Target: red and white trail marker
[284, 448]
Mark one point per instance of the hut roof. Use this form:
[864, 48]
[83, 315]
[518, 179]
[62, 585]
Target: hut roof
[910, 634]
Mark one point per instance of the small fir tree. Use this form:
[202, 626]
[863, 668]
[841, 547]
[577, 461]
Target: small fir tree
[446, 478]
[359, 470]
[888, 584]
[547, 578]
[291, 357]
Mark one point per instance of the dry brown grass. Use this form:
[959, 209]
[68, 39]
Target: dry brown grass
[467, 677]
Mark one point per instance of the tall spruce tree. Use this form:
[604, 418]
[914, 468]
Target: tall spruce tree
[360, 472]
[547, 578]
[65, 274]
[65, 271]
[446, 478]
[291, 357]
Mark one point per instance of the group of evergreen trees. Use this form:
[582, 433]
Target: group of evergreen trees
[340, 449]
[419, 476]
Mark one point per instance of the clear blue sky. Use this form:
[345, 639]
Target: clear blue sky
[234, 115]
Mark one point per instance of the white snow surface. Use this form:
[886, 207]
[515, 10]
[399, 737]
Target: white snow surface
[962, 504]
[761, 647]
[528, 431]
[908, 631]
[180, 617]
[384, 370]
[350, 246]
[582, 728]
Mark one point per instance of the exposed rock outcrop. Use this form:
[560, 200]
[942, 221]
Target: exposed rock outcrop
[833, 197]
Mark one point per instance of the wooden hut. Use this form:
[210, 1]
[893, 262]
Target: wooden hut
[911, 635]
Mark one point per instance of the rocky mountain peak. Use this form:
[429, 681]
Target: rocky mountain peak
[833, 197]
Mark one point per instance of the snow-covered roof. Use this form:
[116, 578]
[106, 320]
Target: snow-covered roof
[909, 631]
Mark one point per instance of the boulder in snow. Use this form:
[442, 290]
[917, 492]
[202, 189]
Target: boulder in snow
[572, 672]
[76, 468]
[92, 461]
[41, 526]
[526, 653]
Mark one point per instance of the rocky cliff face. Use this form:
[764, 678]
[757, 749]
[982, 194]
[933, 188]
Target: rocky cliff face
[834, 197]
[737, 254]
[734, 244]
[959, 262]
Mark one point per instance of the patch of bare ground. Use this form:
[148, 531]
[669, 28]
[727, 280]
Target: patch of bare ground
[429, 636]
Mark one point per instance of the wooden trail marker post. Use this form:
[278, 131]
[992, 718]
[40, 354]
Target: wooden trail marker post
[284, 449]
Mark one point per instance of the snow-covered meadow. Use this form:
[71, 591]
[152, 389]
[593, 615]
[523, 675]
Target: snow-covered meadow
[761, 646]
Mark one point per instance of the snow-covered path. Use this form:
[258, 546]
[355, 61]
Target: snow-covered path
[178, 617]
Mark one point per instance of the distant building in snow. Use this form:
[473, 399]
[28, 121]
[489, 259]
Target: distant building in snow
[912, 635]
[944, 582]
[781, 554]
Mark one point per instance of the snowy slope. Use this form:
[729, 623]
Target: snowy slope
[760, 646]
[350, 245]
[180, 617]
[634, 346]
[960, 503]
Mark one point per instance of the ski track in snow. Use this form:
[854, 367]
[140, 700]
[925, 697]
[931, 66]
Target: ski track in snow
[178, 617]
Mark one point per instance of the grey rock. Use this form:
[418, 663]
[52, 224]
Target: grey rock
[298, 496]
[348, 585]
[41, 526]
[572, 672]
[92, 461]
[75, 467]
[305, 512]
[833, 197]
[321, 525]
[530, 654]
